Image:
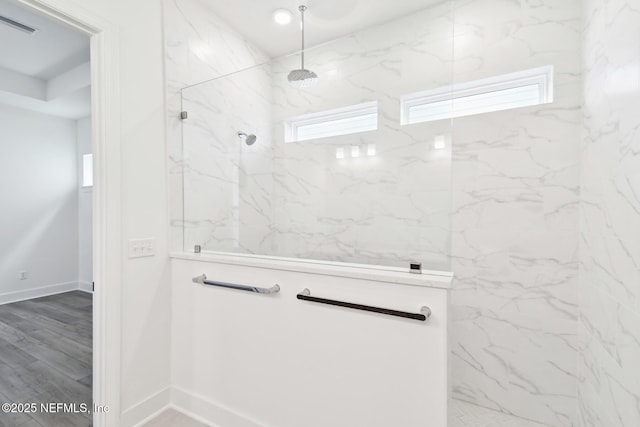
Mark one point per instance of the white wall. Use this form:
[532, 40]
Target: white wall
[39, 215]
[609, 386]
[85, 200]
[49, 139]
[145, 288]
[146, 308]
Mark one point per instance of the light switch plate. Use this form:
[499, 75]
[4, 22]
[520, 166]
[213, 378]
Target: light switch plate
[142, 247]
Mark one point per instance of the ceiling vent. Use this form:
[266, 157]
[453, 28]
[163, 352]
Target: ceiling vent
[16, 25]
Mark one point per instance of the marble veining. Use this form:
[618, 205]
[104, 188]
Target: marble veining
[462, 414]
[297, 199]
[506, 207]
[515, 215]
[609, 379]
[199, 46]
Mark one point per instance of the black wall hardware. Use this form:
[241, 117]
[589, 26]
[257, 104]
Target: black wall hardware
[424, 314]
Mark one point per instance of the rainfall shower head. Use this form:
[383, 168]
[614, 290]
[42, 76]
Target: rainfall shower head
[302, 77]
[249, 139]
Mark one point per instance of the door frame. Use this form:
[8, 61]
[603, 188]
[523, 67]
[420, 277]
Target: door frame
[107, 197]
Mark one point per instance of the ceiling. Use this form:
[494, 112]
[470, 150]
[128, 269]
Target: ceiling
[45, 71]
[325, 20]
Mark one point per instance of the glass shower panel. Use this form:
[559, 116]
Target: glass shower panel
[333, 174]
[228, 183]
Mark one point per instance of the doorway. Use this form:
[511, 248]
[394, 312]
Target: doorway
[46, 267]
[106, 195]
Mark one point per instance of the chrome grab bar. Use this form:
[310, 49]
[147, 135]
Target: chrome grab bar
[203, 281]
[424, 314]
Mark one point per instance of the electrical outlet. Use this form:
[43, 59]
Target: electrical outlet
[24, 275]
[142, 247]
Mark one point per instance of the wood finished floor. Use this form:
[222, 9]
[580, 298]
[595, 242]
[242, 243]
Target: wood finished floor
[46, 356]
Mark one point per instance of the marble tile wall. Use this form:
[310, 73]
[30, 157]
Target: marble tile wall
[386, 209]
[515, 215]
[298, 199]
[199, 47]
[228, 184]
[515, 177]
[609, 374]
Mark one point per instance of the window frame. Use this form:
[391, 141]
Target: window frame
[293, 125]
[541, 76]
[84, 170]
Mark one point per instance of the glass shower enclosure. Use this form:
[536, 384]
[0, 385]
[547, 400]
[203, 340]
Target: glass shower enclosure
[355, 169]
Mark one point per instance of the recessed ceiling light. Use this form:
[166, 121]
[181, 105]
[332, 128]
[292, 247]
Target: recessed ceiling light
[282, 16]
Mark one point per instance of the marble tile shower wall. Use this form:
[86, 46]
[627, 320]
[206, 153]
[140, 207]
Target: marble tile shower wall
[386, 209]
[298, 199]
[199, 46]
[609, 374]
[515, 215]
[515, 177]
[228, 184]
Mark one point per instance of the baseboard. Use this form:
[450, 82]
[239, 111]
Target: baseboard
[193, 416]
[207, 411]
[85, 287]
[143, 411]
[44, 291]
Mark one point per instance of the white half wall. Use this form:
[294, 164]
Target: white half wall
[39, 215]
[257, 360]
